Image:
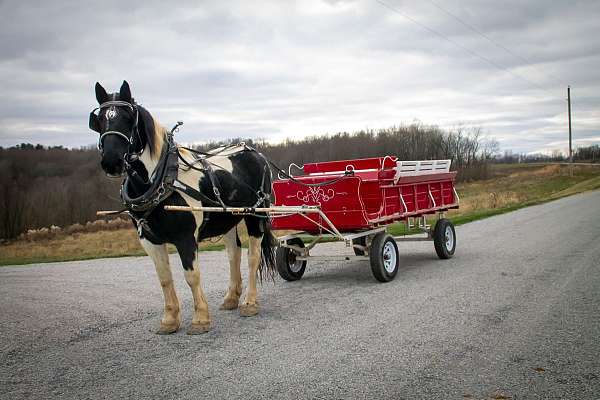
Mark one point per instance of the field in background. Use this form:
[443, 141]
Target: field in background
[516, 186]
[512, 186]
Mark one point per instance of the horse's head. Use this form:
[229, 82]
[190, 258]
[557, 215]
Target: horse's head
[117, 123]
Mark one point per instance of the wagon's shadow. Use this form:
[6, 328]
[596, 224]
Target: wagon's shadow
[341, 274]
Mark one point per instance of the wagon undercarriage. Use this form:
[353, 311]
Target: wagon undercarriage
[294, 250]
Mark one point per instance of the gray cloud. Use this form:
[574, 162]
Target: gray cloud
[282, 69]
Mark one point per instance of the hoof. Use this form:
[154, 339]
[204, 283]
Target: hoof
[167, 329]
[229, 304]
[199, 329]
[248, 310]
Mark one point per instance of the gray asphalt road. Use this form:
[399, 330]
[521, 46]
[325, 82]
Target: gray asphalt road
[514, 314]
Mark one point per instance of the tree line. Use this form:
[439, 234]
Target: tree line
[589, 154]
[468, 149]
[41, 186]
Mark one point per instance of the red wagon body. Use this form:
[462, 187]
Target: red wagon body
[365, 193]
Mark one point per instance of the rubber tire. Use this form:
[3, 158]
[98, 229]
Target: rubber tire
[282, 261]
[360, 241]
[376, 256]
[439, 239]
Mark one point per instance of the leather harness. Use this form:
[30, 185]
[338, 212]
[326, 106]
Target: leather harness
[164, 180]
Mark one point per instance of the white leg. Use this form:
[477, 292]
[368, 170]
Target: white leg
[191, 270]
[171, 319]
[234, 252]
[250, 307]
[201, 318]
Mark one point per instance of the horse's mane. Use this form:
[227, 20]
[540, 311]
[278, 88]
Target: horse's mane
[155, 133]
[158, 138]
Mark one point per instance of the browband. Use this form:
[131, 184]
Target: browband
[117, 103]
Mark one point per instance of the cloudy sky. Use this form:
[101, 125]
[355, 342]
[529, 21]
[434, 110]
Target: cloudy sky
[284, 69]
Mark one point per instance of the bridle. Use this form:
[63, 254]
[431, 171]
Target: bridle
[131, 152]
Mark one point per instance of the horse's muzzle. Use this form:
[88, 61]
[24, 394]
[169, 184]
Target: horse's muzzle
[114, 168]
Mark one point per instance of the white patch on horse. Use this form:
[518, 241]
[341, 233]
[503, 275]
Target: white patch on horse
[222, 159]
[221, 162]
[198, 215]
[149, 162]
[158, 253]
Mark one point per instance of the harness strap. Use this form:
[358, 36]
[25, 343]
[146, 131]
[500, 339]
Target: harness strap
[261, 196]
[214, 181]
[195, 194]
[217, 152]
[142, 223]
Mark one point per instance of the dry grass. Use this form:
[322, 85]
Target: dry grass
[43, 247]
[522, 184]
[77, 246]
[512, 186]
[516, 186]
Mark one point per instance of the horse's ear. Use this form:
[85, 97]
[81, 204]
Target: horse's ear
[94, 122]
[125, 92]
[101, 94]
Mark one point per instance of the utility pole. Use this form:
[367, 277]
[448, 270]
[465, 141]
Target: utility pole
[570, 141]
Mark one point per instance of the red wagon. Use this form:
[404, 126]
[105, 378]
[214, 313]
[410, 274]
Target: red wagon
[354, 201]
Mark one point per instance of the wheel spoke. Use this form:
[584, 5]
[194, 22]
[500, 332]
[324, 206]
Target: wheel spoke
[449, 238]
[389, 257]
[295, 264]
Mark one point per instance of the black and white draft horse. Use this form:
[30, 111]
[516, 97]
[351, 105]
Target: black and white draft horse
[132, 142]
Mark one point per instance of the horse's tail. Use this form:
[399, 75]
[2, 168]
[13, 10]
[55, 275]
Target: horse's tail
[267, 252]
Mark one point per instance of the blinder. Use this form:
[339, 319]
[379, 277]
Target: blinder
[94, 125]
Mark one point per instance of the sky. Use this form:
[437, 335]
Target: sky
[289, 69]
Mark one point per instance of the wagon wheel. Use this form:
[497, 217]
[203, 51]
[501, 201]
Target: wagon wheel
[361, 241]
[444, 238]
[385, 258]
[290, 268]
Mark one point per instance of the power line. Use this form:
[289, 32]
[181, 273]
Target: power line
[488, 38]
[473, 53]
